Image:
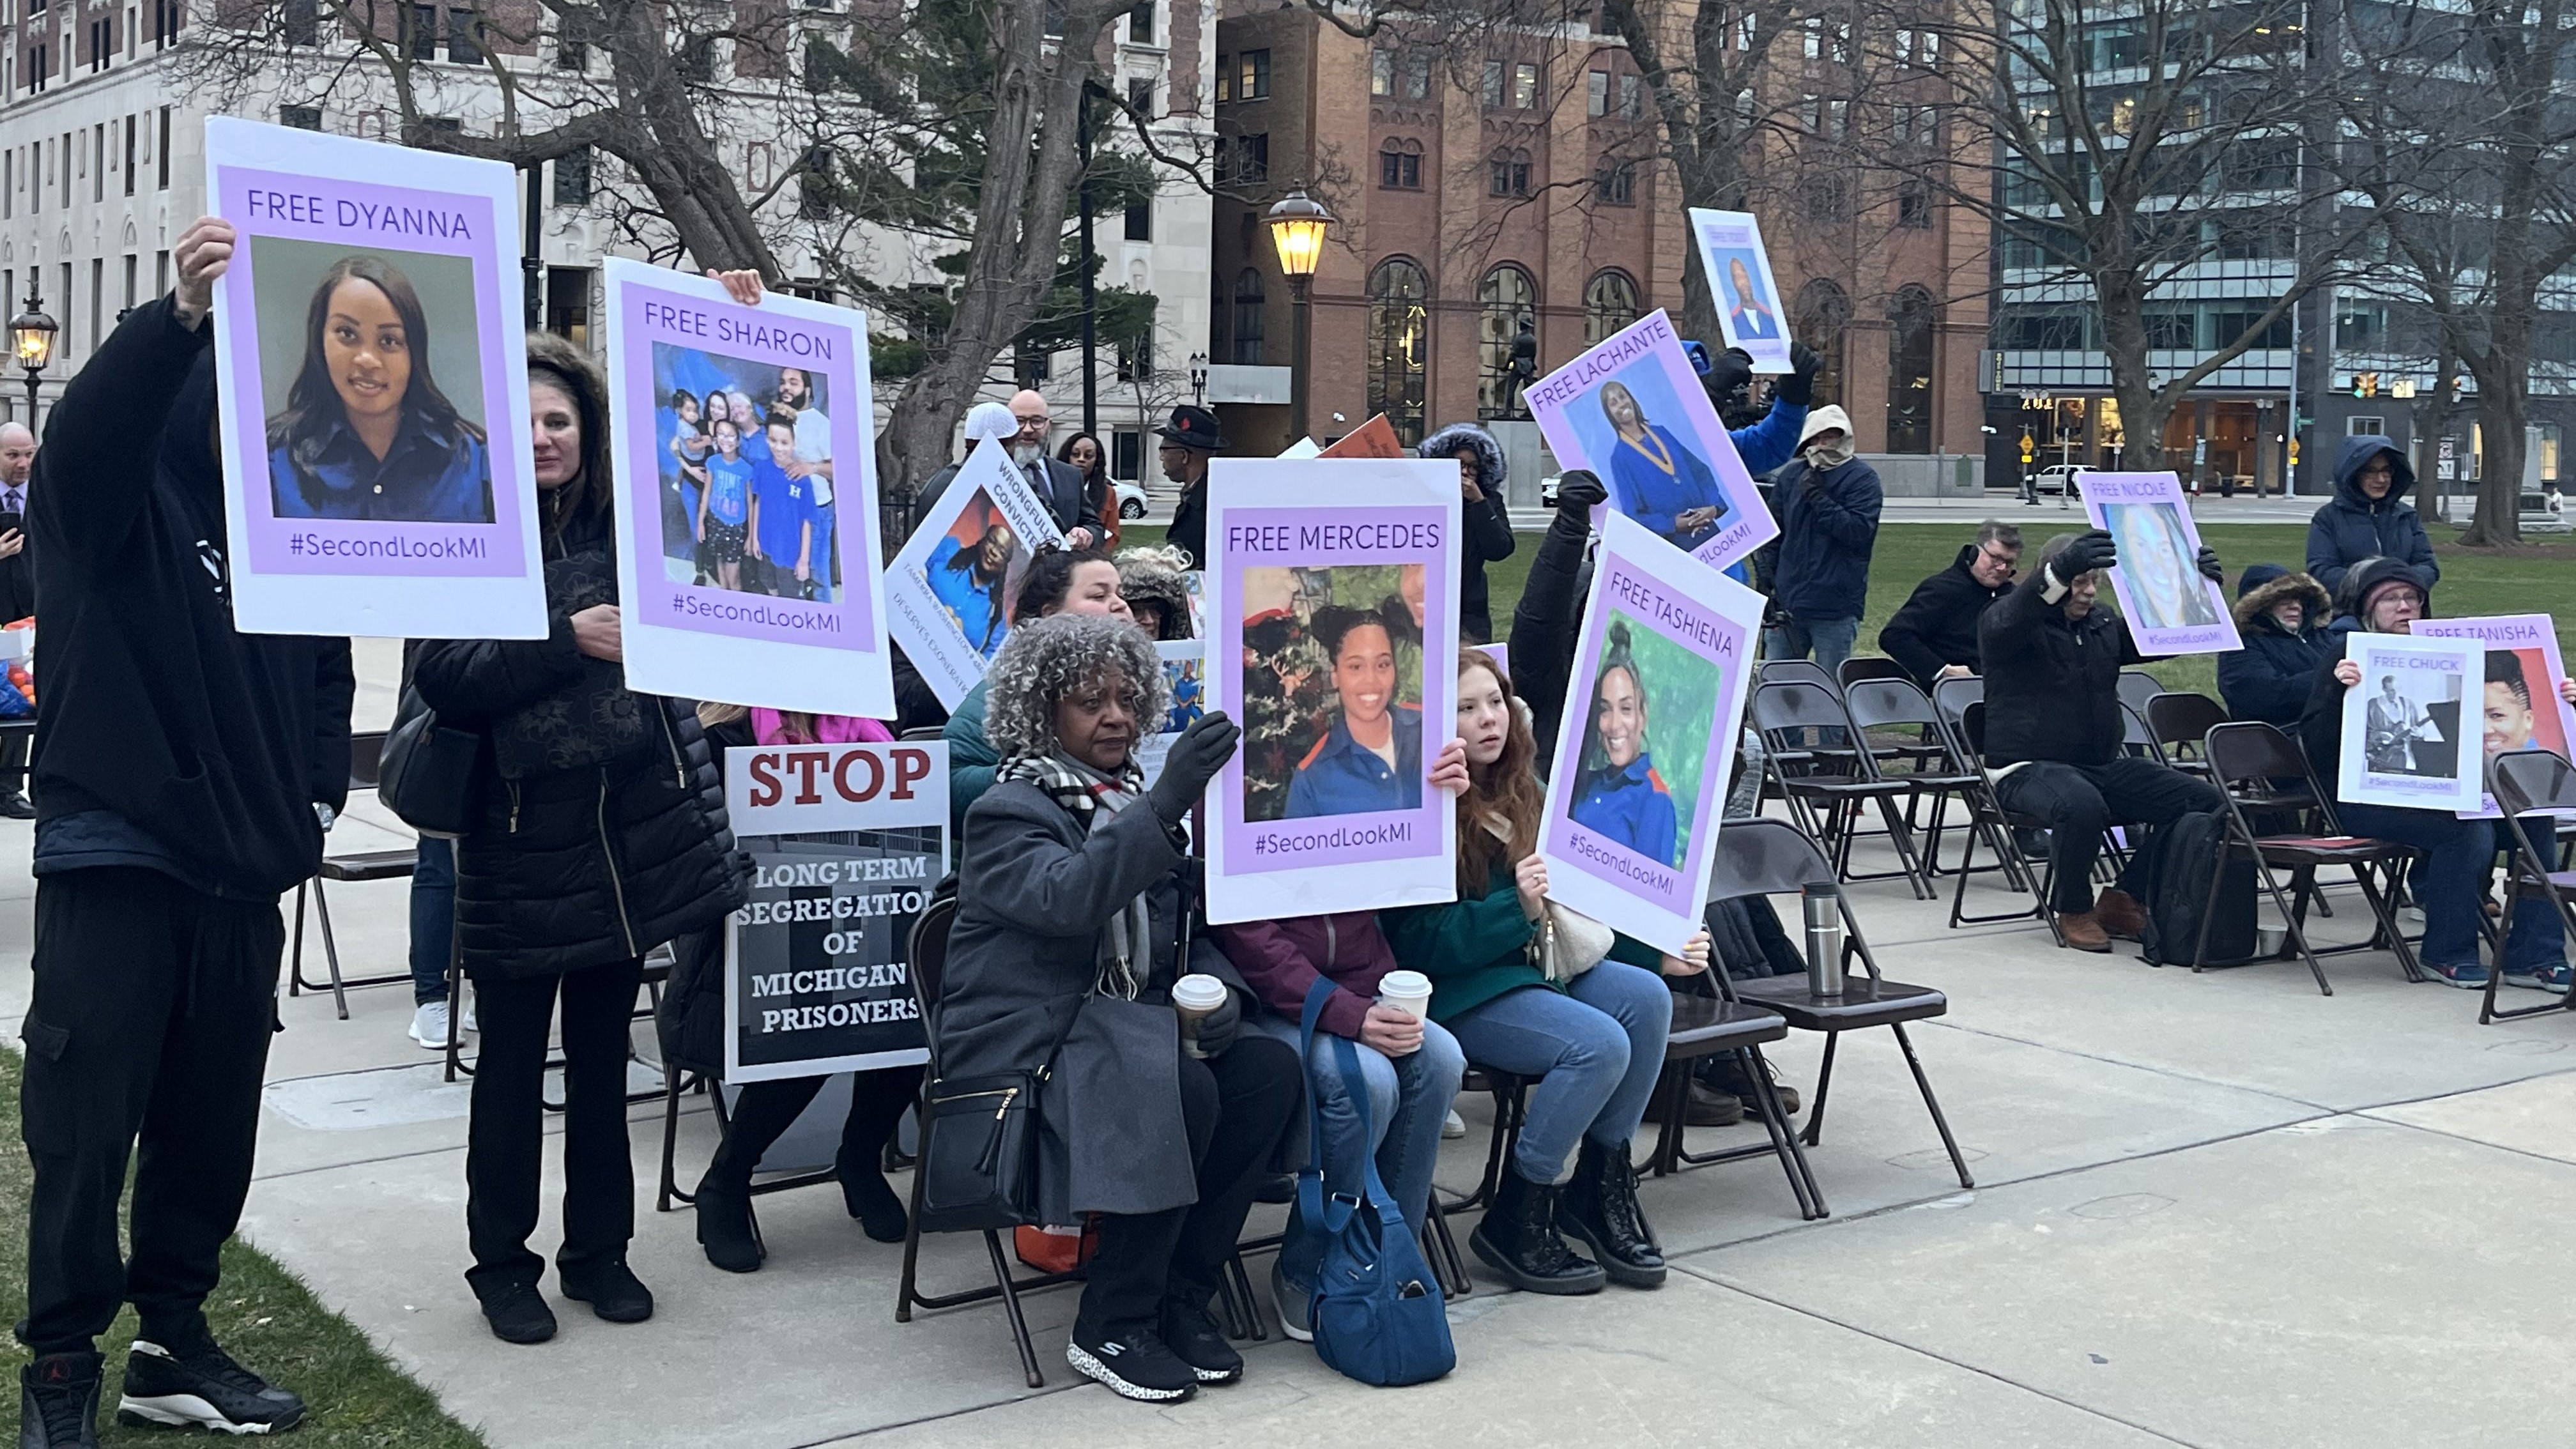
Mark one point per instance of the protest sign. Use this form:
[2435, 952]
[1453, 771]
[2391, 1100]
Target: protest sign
[845, 842]
[1739, 277]
[2520, 708]
[1372, 439]
[1185, 671]
[373, 390]
[1631, 410]
[2409, 732]
[949, 590]
[1661, 670]
[1335, 646]
[746, 497]
[2171, 607]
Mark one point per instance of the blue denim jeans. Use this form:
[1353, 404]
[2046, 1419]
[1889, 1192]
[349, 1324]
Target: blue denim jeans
[1829, 640]
[433, 919]
[1408, 1098]
[2457, 856]
[1600, 1043]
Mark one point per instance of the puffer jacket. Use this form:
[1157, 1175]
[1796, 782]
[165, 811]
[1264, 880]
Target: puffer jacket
[2353, 526]
[2321, 724]
[602, 830]
[1487, 525]
[2270, 677]
[2052, 683]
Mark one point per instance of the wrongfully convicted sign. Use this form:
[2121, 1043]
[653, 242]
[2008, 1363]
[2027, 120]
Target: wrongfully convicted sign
[846, 842]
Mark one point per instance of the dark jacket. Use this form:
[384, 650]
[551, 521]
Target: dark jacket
[17, 572]
[1937, 627]
[2052, 683]
[1476, 948]
[1281, 960]
[690, 1017]
[1188, 532]
[1828, 524]
[1543, 625]
[2269, 679]
[1066, 495]
[2353, 526]
[2320, 726]
[602, 830]
[1486, 523]
[204, 746]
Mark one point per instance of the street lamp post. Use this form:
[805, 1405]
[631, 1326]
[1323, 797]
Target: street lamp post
[1297, 226]
[1198, 379]
[31, 339]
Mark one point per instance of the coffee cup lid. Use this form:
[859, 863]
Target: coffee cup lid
[1405, 983]
[1198, 989]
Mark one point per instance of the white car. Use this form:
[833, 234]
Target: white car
[1131, 500]
[2066, 478]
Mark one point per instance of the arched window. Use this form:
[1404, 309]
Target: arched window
[1399, 164]
[1822, 313]
[1399, 345]
[1609, 303]
[1509, 172]
[1247, 318]
[1910, 320]
[1506, 302]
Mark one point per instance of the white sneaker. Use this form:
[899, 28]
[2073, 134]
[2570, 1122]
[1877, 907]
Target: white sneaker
[468, 1023]
[1453, 1126]
[429, 1025]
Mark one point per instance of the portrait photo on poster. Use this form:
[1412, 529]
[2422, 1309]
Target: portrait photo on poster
[1632, 411]
[2409, 730]
[2519, 708]
[1335, 648]
[2171, 607]
[1738, 267]
[373, 390]
[950, 587]
[1185, 673]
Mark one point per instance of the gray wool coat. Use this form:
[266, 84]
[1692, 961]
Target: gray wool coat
[1033, 895]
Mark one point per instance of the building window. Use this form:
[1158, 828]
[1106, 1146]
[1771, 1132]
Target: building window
[1632, 103]
[1910, 321]
[1126, 453]
[568, 303]
[697, 59]
[1140, 220]
[1030, 363]
[1819, 317]
[572, 40]
[1596, 97]
[161, 157]
[420, 31]
[1417, 75]
[464, 38]
[1614, 183]
[1136, 358]
[1225, 77]
[1248, 315]
[1609, 304]
[301, 118]
[1051, 17]
[1252, 76]
[1399, 345]
[2364, 425]
[814, 184]
[1824, 199]
[1811, 38]
[1509, 173]
[129, 157]
[102, 42]
[1492, 89]
[1506, 303]
[1524, 86]
[1399, 165]
[1381, 72]
[302, 22]
[572, 178]
[1140, 23]
[1914, 205]
[1248, 159]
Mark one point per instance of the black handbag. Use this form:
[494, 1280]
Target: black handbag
[979, 1146]
[429, 775]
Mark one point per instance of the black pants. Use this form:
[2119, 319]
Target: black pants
[1235, 1106]
[763, 1111]
[152, 1012]
[14, 745]
[506, 1132]
[2080, 801]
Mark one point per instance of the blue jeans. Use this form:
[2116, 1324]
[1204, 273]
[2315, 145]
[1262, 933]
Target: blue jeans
[1408, 1098]
[433, 919]
[1600, 1043]
[1830, 640]
[2457, 855]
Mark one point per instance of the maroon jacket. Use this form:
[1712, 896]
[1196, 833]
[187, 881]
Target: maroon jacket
[1281, 959]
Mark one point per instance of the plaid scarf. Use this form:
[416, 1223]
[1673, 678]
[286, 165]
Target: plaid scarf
[1084, 792]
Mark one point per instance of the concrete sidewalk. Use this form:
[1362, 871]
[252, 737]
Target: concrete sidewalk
[2214, 1209]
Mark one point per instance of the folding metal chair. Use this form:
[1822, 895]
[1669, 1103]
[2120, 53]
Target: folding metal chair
[1798, 671]
[2137, 686]
[2523, 781]
[1971, 733]
[350, 868]
[1869, 666]
[1880, 706]
[1781, 711]
[2245, 758]
[2179, 723]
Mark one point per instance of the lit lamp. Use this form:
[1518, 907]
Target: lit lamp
[1297, 226]
[31, 338]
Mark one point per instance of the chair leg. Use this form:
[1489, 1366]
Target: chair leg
[1239, 1285]
[1815, 1132]
[2384, 907]
[331, 950]
[1672, 1090]
[908, 1291]
[295, 954]
[2281, 903]
[1441, 1247]
[672, 1084]
[1784, 1140]
[1923, 1084]
[1011, 1308]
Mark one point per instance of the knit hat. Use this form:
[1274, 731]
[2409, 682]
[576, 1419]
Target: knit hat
[990, 420]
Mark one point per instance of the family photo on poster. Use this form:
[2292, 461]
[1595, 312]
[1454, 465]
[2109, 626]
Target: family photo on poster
[1336, 649]
[949, 589]
[1662, 671]
[1739, 277]
[373, 390]
[2170, 606]
[2409, 730]
[2519, 706]
[1632, 410]
[747, 509]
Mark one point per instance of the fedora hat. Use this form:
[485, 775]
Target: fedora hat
[1194, 428]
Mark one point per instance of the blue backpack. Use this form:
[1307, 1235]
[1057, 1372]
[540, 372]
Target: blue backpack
[1374, 1307]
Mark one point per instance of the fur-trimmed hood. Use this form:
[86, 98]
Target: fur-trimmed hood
[2255, 603]
[1153, 575]
[1491, 467]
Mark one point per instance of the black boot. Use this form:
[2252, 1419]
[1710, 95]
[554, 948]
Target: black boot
[1600, 1208]
[869, 1197]
[58, 1401]
[1518, 1239]
[724, 1222]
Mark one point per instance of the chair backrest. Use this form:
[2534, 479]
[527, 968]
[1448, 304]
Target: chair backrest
[1895, 716]
[1786, 706]
[2526, 780]
[2252, 754]
[1953, 696]
[2182, 721]
[2136, 738]
[928, 953]
[1876, 702]
[2137, 686]
[1972, 732]
[1764, 857]
[1870, 666]
[366, 759]
[1798, 671]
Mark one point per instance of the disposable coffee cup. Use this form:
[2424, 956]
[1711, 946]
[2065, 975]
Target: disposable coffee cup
[2271, 940]
[1406, 991]
[1194, 996]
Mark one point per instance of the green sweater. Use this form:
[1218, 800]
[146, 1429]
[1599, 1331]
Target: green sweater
[1477, 948]
[971, 761]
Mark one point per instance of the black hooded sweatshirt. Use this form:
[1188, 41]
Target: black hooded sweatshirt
[164, 738]
[1938, 625]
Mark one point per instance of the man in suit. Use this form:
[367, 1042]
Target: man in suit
[1057, 484]
[17, 598]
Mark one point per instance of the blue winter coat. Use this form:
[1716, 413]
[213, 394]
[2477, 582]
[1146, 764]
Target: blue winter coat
[433, 473]
[1341, 776]
[1826, 533]
[2270, 678]
[2353, 526]
[1631, 806]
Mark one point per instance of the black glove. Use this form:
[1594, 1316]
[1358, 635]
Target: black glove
[1578, 493]
[1727, 373]
[2089, 551]
[1798, 389]
[1217, 1029]
[1195, 757]
[2209, 569]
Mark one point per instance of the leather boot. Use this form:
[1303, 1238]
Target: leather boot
[724, 1217]
[869, 1197]
[1519, 1240]
[2120, 914]
[1599, 1208]
[2083, 931]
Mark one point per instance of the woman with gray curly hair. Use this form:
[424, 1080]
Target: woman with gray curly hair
[1067, 942]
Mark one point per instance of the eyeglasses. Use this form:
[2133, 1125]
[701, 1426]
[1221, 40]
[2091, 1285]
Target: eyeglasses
[2009, 563]
[1040, 420]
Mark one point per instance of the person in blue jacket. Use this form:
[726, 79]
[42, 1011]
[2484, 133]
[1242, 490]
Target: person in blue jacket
[1828, 506]
[1657, 480]
[2282, 618]
[1620, 795]
[365, 433]
[2369, 517]
[969, 585]
[1370, 758]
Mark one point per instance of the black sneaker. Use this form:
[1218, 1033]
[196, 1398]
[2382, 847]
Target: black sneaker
[517, 1312]
[611, 1290]
[14, 805]
[1194, 1339]
[1135, 1365]
[58, 1401]
[203, 1387]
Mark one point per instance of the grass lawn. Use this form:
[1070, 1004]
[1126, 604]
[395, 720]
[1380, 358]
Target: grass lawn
[261, 1313]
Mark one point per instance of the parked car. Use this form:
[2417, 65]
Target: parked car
[1131, 500]
[2066, 478]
